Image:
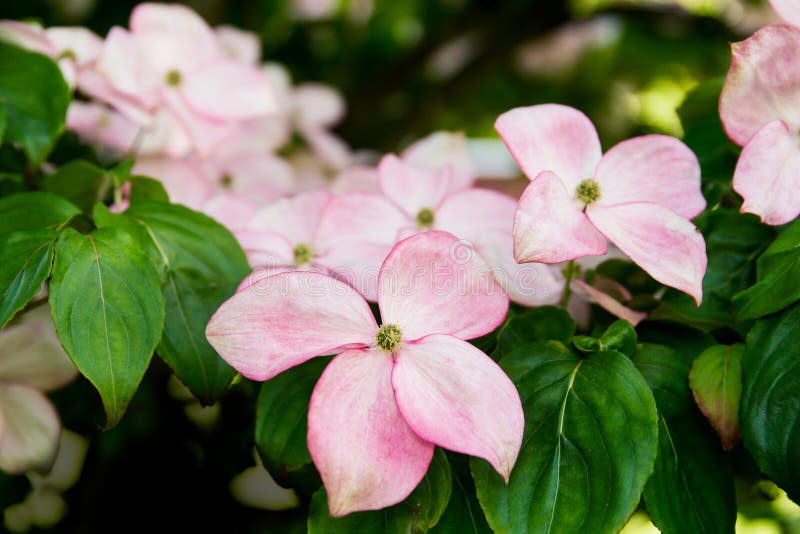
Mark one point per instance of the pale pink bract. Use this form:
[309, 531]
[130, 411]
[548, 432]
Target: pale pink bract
[395, 391]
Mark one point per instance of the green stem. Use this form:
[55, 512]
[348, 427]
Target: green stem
[569, 272]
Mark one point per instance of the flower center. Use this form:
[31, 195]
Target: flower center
[388, 337]
[425, 218]
[67, 54]
[173, 78]
[226, 181]
[302, 254]
[588, 191]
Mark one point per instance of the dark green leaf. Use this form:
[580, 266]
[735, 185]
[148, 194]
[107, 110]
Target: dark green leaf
[144, 189]
[202, 265]
[35, 98]
[691, 489]
[417, 514]
[27, 261]
[686, 340]
[716, 383]
[106, 301]
[34, 211]
[463, 514]
[534, 324]
[589, 446]
[586, 343]
[81, 183]
[2, 122]
[770, 408]
[281, 422]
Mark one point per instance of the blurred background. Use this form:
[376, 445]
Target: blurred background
[406, 68]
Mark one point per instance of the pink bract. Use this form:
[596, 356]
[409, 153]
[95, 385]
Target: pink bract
[395, 391]
[640, 195]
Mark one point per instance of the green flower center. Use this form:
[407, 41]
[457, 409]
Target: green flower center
[588, 191]
[226, 181]
[388, 337]
[425, 218]
[173, 78]
[302, 254]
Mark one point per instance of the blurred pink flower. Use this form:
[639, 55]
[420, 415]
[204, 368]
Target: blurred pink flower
[789, 10]
[760, 110]
[394, 391]
[640, 195]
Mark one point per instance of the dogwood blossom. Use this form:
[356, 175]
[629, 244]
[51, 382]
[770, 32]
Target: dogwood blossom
[31, 361]
[394, 391]
[760, 110]
[789, 10]
[640, 195]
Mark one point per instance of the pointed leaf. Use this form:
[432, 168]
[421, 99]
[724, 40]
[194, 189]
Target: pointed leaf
[203, 264]
[108, 310]
[79, 182]
[417, 514]
[691, 488]
[770, 408]
[34, 211]
[463, 514]
[716, 383]
[27, 261]
[35, 97]
[590, 443]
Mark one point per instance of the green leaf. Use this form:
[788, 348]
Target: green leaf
[463, 514]
[769, 413]
[106, 301]
[778, 272]
[27, 261]
[81, 183]
[543, 323]
[281, 422]
[619, 336]
[686, 340]
[202, 266]
[29, 225]
[589, 446]
[716, 383]
[144, 189]
[35, 98]
[2, 122]
[691, 488]
[34, 211]
[417, 514]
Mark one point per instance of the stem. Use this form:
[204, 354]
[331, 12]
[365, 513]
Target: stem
[569, 272]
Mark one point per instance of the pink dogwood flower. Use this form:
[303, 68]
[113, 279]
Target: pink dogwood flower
[760, 110]
[640, 195]
[394, 391]
[789, 10]
[172, 58]
[416, 200]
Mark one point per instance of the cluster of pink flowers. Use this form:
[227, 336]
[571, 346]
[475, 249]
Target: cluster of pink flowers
[760, 110]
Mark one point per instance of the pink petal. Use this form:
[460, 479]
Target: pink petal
[29, 36]
[287, 319]
[410, 187]
[82, 44]
[789, 10]
[31, 354]
[329, 149]
[224, 90]
[443, 149]
[261, 177]
[357, 264]
[206, 134]
[183, 180]
[173, 36]
[608, 303]
[551, 137]
[317, 105]
[529, 284]
[239, 45]
[29, 430]
[98, 125]
[367, 455]
[360, 218]
[124, 66]
[230, 210]
[549, 226]
[455, 396]
[434, 283]
[763, 83]
[294, 218]
[652, 168]
[96, 85]
[667, 246]
[359, 179]
[265, 249]
[768, 174]
[472, 212]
